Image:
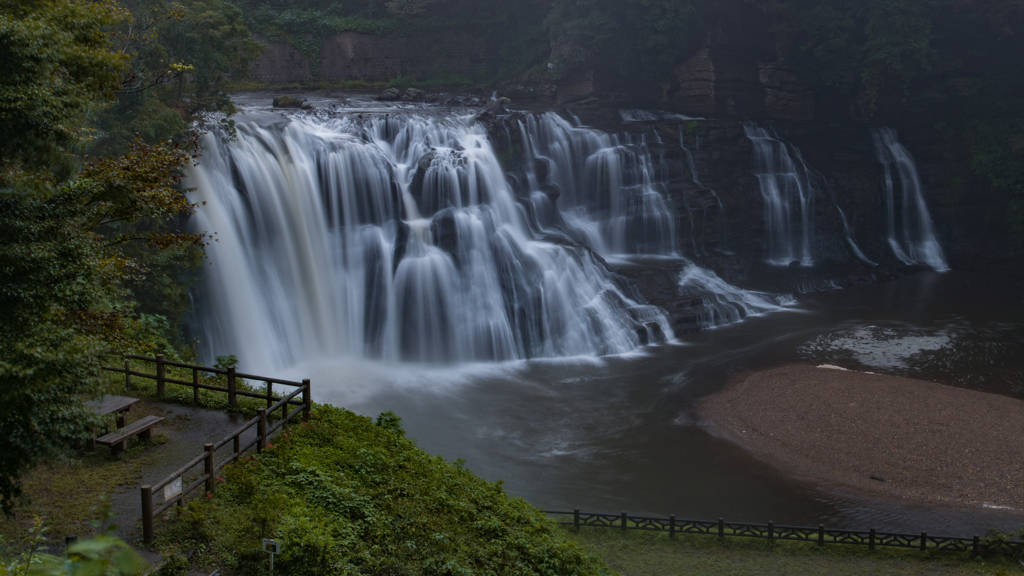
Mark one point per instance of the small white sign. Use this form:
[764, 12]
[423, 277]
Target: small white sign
[172, 489]
[271, 546]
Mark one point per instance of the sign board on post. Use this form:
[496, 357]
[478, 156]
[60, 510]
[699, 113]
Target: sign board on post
[172, 489]
[271, 547]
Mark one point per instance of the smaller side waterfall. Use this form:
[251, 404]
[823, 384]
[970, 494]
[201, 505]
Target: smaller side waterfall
[908, 224]
[606, 187]
[723, 302]
[788, 198]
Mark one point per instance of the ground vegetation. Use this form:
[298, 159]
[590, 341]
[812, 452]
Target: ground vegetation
[347, 494]
[642, 554]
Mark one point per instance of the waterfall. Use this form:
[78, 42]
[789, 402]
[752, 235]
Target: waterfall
[399, 238]
[606, 188]
[723, 302]
[908, 224]
[788, 198]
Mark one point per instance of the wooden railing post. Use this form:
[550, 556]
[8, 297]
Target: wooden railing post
[871, 540]
[270, 397]
[623, 520]
[127, 374]
[237, 443]
[160, 375]
[821, 535]
[195, 385]
[576, 519]
[672, 526]
[261, 429]
[771, 532]
[924, 541]
[147, 514]
[232, 401]
[307, 400]
[975, 546]
[721, 528]
[209, 470]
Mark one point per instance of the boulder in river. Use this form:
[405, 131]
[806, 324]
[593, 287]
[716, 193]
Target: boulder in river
[390, 95]
[414, 95]
[289, 102]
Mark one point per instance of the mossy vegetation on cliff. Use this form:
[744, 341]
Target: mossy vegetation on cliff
[345, 494]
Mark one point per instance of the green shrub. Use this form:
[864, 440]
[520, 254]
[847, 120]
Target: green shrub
[346, 495]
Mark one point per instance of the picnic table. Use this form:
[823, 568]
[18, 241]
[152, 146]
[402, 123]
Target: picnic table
[111, 404]
[119, 406]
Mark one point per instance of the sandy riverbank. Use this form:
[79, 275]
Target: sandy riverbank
[928, 442]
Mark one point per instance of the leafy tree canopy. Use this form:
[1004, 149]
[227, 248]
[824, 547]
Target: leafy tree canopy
[55, 66]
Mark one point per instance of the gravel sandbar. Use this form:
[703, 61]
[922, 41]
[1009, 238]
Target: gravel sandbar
[920, 441]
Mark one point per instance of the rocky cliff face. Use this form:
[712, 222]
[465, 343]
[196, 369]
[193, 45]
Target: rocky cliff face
[353, 56]
[708, 171]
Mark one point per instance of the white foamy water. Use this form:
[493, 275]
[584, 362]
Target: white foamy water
[395, 238]
[908, 224]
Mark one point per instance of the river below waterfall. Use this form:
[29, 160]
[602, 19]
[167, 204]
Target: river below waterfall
[389, 259]
[620, 433]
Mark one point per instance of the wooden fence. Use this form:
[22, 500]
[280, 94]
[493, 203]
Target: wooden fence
[208, 458]
[820, 535]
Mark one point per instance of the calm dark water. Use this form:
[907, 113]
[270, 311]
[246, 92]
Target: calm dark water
[621, 433]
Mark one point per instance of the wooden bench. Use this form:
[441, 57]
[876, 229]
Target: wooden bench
[118, 439]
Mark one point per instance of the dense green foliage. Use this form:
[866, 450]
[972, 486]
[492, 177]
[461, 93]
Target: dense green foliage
[65, 294]
[55, 67]
[92, 257]
[346, 495]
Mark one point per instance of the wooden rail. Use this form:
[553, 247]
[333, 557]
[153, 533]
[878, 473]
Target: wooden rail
[208, 458]
[232, 379]
[820, 535]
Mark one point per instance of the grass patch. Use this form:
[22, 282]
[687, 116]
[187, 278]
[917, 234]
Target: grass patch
[635, 553]
[444, 80]
[67, 493]
[252, 86]
[345, 494]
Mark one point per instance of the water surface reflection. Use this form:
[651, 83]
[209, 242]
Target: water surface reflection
[623, 433]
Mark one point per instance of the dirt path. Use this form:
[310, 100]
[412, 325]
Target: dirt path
[187, 428]
[895, 436]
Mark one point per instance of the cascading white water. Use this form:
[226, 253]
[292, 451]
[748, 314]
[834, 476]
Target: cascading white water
[788, 198]
[909, 227]
[607, 189]
[723, 302]
[399, 238]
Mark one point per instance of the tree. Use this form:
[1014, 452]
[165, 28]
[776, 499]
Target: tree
[212, 40]
[69, 246]
[55, 67]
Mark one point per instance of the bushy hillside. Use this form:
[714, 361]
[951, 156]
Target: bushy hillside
[347, 495]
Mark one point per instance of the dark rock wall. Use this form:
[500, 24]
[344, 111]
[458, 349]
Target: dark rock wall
[280, 63]
[354, 56]
[730, 238]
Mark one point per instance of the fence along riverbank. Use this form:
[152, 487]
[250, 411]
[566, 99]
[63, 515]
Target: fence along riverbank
[208, 458]
[820, 535]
